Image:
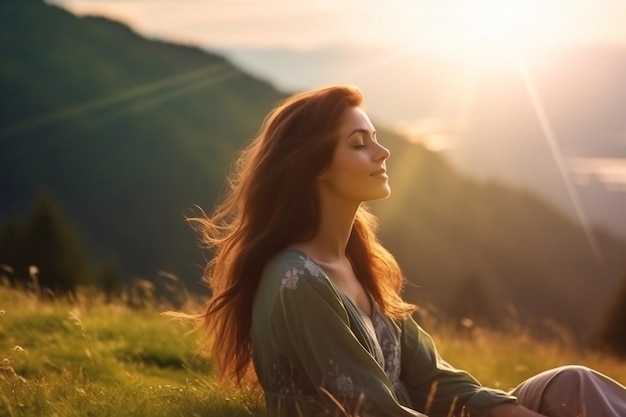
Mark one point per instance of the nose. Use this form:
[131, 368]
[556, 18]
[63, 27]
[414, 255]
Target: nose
[382, 153]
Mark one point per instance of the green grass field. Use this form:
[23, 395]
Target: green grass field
[89, 358]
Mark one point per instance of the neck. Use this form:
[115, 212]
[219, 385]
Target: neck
[331, 240]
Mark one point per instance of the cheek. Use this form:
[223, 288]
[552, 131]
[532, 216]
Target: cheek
[348, 167]
[342, 176]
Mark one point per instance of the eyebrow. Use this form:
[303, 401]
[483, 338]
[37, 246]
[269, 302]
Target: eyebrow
[365, 131]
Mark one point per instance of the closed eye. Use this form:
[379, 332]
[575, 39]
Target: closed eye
[364, 133]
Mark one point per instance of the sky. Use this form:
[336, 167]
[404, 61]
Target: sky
[454, 25]
[485, 31]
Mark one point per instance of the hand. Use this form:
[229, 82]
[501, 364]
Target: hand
[512, 410]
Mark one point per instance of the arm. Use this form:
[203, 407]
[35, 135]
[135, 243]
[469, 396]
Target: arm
[437, 387]
[311, 325]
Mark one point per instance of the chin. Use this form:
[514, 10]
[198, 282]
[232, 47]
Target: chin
[382, 195]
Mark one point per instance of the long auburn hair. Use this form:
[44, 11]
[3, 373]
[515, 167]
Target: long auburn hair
[272, 202]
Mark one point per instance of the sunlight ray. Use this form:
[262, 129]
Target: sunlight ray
[404, 168]
[110, 101]
[153, 100]
[548, 132]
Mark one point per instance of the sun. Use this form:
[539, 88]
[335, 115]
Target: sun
[490, 33]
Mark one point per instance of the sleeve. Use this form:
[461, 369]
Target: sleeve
[311, 321]
[436, 387]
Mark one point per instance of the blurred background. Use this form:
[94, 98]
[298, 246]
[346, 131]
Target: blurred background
[506, 121]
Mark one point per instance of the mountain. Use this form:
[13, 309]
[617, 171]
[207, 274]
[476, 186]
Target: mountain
[488, 122]
[130, 134]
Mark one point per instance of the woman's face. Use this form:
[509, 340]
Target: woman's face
[357, 171]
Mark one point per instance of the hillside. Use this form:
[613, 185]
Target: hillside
[130, 133]
[127, 132]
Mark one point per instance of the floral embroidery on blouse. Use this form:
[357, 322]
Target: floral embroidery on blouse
[292, 276]
[390, 346]
[343, 383]
[306, 364]
[290, 280]
[312, 268]
[351, 397]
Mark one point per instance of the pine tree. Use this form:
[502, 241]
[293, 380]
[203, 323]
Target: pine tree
[53, 246]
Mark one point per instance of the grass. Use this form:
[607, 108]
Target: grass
[89, 358]
[505, 359]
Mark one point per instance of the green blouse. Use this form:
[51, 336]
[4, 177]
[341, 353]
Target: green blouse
[315, 352]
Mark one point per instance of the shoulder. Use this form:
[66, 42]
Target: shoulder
[292, 280]
[287, 269]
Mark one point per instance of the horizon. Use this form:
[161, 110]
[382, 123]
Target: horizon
[443, 25]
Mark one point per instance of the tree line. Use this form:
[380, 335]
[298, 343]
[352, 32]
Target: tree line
[45, 254]
[44, 251]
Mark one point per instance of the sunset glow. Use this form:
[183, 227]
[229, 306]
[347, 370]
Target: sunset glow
[483, 27]
[441, 73]
[490, 32]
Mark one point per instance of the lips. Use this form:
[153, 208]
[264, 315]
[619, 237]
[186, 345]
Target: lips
[381, 171]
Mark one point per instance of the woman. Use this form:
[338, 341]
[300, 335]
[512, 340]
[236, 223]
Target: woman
[303, 289]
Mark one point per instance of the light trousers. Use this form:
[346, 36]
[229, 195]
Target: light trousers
[572, 391]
